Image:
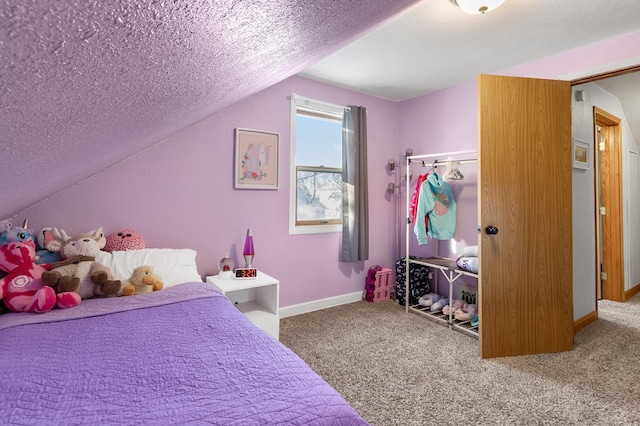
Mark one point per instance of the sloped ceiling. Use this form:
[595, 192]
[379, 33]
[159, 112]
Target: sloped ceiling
[85, 84]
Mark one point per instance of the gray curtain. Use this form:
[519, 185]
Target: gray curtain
[355, 199]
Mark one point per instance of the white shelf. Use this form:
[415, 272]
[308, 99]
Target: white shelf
[254, 311]
[451, 272]
[257, 299]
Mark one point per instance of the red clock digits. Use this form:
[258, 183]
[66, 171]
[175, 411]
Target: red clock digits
[246, 273]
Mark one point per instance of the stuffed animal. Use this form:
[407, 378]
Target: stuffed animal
[43, 255]
[126, 239]
[78, 271]
[21, 233]
[17, 233]
[22, 289]
[143, 280]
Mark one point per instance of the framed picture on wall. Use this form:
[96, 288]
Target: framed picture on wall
[256, 159]
[581, 154]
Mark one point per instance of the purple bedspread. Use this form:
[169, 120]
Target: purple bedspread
[183, 355]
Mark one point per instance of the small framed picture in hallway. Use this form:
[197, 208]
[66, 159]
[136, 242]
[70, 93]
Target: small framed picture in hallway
[580, 154]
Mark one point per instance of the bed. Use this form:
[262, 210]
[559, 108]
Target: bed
[182, 355]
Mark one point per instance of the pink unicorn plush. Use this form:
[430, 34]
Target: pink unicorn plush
[22, 289]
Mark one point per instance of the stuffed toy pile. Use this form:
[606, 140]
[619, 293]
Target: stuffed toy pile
[71, 273]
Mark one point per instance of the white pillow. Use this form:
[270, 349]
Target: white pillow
[175, 266]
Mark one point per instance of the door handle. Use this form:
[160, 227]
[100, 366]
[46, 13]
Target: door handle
[491, 230]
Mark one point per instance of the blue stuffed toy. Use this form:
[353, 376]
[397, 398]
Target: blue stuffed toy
[21, 233]
[17, 233]
[44, 255]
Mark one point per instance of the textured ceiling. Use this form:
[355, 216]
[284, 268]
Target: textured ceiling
[85, 84]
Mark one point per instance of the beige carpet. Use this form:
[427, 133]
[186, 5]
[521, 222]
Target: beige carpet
[399, 368]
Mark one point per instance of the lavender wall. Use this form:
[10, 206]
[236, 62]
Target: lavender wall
[179, 193]
[442, 122]
[447, 121]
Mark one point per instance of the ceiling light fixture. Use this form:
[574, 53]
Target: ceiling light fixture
[477, 6]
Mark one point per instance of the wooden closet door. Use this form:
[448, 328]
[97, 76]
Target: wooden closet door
[526, 279]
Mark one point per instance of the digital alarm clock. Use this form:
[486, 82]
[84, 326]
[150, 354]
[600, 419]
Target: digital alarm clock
[246, 273]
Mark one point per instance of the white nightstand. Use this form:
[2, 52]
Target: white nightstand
[257, 298]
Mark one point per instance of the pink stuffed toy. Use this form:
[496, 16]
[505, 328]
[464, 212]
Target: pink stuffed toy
[22, 289]
[126, 239]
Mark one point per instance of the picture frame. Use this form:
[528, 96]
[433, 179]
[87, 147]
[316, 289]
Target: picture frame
[581, 154]
[256, 159]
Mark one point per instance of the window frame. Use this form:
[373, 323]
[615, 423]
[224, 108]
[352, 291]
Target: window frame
[318, 108]
[320, 169]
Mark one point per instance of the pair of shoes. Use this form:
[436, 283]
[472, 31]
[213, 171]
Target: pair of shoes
[456, 305]
[466, 314]
[437, 306]
[475, 321]
[428, 299]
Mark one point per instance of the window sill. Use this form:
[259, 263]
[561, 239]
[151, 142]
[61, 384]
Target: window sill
[314, 229]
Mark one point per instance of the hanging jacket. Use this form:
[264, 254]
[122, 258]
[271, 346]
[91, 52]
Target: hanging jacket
[413, 206]
[437, 202]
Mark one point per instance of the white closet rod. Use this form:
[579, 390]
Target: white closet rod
[440, 154]
[444, 162]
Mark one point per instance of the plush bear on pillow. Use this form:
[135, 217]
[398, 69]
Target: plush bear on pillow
[78, 271]
[22, 289]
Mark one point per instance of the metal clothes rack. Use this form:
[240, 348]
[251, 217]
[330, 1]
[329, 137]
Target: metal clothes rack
[437, 163]
[447, 267]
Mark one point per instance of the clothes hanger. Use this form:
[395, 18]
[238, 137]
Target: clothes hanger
[434, 167]
[453, 171]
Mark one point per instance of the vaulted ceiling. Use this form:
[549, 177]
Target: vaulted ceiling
[85, 84]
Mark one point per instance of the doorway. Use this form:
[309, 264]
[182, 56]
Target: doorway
[609, 222]
[610, 249]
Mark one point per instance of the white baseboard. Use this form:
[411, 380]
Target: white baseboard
[316, 305]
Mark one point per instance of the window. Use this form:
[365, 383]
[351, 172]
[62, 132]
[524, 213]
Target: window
[316, 167]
